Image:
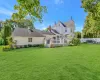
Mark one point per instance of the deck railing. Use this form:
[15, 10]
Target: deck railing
[59, 42]
[56, 41]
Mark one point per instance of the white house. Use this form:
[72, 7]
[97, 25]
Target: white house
[24, 36]
[58, 34]
[64, 32]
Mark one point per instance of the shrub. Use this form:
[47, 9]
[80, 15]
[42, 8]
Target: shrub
[29, 45]
[78, 34]
[74, 42]
[1, 42]
[25, 46]
[36, 45]
[33, 45]
[13, 47]
[6, 48]
[21, 46]
[41, 46]
[17, 47]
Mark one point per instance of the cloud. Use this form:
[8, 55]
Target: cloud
[43, 25]
[78, 28]
[44, 28]
[5, 11]
[59, 1]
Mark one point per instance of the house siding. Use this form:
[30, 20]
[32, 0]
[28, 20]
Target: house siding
[49, 36]
[24, 40]
[60, 28]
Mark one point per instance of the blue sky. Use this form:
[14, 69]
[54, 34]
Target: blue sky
[58, 10]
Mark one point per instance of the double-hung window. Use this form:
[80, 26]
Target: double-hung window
[29, 39]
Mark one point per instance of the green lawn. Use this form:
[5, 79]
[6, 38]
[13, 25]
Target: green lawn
[65, 63]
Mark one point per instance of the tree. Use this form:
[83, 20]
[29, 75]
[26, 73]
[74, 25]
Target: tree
[92, 22]
[78, 34]
[30, 8]
[6, 32]
[25, 23]
[1, 25]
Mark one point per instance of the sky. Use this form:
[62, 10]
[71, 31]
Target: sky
[58, 10]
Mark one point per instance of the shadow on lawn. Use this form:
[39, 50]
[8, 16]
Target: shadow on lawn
[78, 72]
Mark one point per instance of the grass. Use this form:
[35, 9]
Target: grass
[65, 63]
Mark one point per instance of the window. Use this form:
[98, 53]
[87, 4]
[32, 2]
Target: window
[66, 36]
[58, 37]
[65, 30]
[71, 30]
[29, 39]
[48, 41]
[54, 38]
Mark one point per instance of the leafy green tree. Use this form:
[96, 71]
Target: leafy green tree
[32, 8]
[78, 34]
[25, 23]
[6, 32]
[92, 22]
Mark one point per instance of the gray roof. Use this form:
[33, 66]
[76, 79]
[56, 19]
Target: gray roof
[59, 23]
[70, 23]
[63, 24]
[45, 32]
[24, 32]
[48, 33]
[55, 31]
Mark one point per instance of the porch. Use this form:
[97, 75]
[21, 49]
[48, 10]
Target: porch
[56, 41]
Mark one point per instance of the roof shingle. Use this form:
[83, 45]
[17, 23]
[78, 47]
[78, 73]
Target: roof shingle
[24, 32]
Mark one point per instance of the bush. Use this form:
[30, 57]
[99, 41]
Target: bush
[17, 47]
[1, 42]
[38, 45]
[13, 47]
[41, 46]
[6, 48]
[74, 42]
[21, 46]
[25, 46]
[29, 45]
